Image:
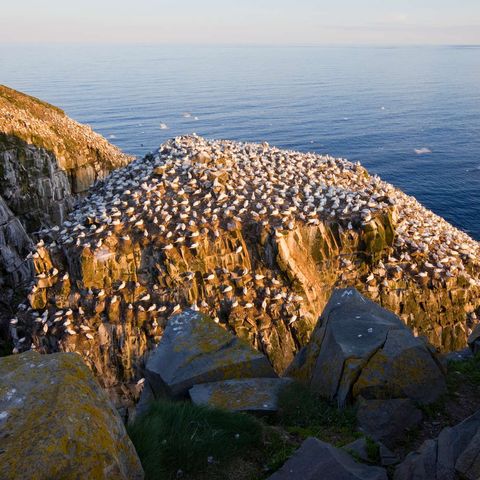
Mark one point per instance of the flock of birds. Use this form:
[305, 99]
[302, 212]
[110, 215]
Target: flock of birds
[192, 190]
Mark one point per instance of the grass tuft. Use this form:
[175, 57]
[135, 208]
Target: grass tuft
[373, 451]
[303, 413]
[174, 439]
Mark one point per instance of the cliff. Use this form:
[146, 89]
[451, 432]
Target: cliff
[47, 159]
[15, 245]
[255, 237]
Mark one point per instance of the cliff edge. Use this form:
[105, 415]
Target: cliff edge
[47, 159]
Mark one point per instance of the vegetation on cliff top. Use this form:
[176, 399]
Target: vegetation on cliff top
[37, 122]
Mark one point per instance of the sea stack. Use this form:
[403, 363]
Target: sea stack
[255, 237]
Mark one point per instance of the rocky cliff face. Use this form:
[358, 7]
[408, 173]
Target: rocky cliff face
[15, 245]
[47, 159]
[255, 237]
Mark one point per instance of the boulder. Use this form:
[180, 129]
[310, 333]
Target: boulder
[194, 349]
[389, 420]
[403, 367]
[317, 460]
[455, 453]
[359, 348]
[56, 422]
[247, 394]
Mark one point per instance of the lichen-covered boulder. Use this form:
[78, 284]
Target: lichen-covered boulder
[57, 423]
[403, 367]
[243, 394]
[316, 460]
[194, 349]
[359, 348]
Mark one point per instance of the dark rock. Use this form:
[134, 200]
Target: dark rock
[454, 454]
[317, 460]
[194, 350]
[250, 394]
[16, 270]
[389, 420]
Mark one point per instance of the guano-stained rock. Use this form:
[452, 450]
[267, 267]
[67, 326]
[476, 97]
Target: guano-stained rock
[56, 422]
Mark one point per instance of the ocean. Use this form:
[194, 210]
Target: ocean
[408, 114]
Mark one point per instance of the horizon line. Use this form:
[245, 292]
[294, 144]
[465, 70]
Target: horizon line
[238, 44]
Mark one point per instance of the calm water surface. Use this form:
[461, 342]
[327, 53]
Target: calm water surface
[381, 106]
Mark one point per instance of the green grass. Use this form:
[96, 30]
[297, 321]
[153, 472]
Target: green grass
[177, 437]
[373, 450]
[305, 414]
[465, 370]
[278, 447]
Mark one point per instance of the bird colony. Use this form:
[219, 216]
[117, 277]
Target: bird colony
[178, 203]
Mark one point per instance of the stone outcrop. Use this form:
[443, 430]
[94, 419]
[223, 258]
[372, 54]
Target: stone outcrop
[253, 236]
[319, 460]
[242, 394]
[454, 454]
[195, 350]
[56, 422]
[47, 159]
[360, 349]
[15, 245]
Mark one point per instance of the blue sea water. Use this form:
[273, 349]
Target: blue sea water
[409, 114]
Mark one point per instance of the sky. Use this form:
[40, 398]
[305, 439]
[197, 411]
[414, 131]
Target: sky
[265, 22]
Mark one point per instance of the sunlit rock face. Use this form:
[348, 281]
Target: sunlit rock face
[47, 159]
[254, 236]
